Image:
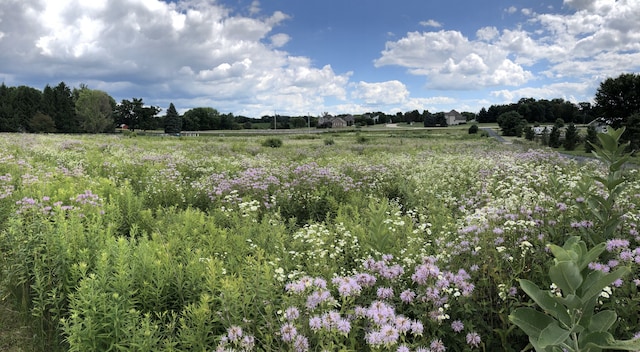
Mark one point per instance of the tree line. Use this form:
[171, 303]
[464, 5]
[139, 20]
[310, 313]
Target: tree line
[83, 110]
[617, 104]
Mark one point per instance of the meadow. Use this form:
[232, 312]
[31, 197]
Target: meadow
[358, 241]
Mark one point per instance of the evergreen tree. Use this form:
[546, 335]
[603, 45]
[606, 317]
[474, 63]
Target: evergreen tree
[8, 120]
[59, 103]
[554, 137]
[591, 139]
[529, 133]
[172, 121]
[571, 137]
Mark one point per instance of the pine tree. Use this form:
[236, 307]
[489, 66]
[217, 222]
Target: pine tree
[591, 139]
[554, 137]
[571, 137]
[172, 121]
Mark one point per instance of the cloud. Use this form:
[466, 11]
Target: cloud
[565, 90]
[382, 93]
[451, 61]
[431, 23]
[197, 50]
[599, 38]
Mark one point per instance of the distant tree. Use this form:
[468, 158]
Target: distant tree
[172, 121]
[9, 122]
[529, 133]
[94, 109]
[135, 115]
[483, 116]
[298, 122]
[428, 119]
[632, 132]
[571, 137]
[554, 137]
[440, 119]
[26, 102]
[58, 102]
[619, 98]
[41, 123]
[585, 114]
[201, 119]
[591, 139]
[511, 123]
[544, 137]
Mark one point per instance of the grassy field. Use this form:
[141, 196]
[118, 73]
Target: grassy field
[154, 243]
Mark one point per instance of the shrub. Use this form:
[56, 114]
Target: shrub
[473, 129]
[272, 142]
[329, 141]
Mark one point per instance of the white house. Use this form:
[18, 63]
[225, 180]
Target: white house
[454, 118]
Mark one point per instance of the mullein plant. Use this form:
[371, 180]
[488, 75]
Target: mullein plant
[570, 319]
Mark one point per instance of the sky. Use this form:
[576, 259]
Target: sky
[299, 57]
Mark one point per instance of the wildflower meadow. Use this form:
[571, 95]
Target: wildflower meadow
[357, 241]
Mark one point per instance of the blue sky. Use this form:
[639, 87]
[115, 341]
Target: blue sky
[296, 57]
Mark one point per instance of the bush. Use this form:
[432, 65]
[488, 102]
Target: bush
[329, 141]
[272, 142]
[362, 139]
[473, 129]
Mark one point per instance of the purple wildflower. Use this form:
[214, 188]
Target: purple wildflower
[288, 332]
[437, 346]
[457, 326]
[473, 339]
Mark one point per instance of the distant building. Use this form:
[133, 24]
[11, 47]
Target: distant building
[328, 121]
[601, 124]
[454, 118]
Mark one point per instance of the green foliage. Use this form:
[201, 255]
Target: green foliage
[473, 129]
[42, 123]
[329, 141]
[602, 207]
[360, 139]
[94, 109]
[559, 123]
[172, 121]
[571, 137]
[529, 133]
[591, 139]
[571, 320]
[134, 114]
[554, 138]
[511, 123]
[272, 142]
[617, 98]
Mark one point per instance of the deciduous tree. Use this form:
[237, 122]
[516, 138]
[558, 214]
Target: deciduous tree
[94, 109]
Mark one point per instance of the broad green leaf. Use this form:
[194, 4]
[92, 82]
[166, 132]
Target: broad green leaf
[561, 254]
[602, 321]
[553, 335]
[595, 288]
[595, 341]
[592, 255]
[531, 321]
[571, 301]
[566, 275]
[547, 302]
